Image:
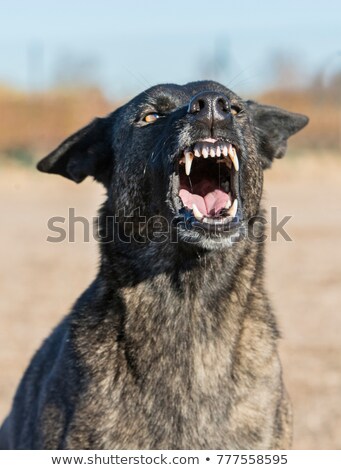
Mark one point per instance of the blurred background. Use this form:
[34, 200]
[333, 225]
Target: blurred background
[63, 63]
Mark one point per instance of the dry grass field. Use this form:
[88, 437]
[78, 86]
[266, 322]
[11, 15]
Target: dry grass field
[40, 280]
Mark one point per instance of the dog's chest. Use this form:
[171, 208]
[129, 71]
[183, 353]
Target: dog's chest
[169, 407]
[169, 390]
[167, 382]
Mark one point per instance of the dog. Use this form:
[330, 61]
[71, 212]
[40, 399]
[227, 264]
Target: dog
[174, 344]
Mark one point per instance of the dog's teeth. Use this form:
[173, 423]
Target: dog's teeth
[233, 211]
[218, 151]
[197, 214]
[205, 152]
[212, 152]
[234, 158]
[225, 150]
[228, 203]
[197, 152]
[188, 162]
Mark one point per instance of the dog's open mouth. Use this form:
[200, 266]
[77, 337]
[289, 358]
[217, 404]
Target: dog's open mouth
[208, 182]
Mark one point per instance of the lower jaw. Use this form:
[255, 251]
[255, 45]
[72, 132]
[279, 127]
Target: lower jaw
[194, 240]
[196, 232]
[210, 224]
[220, 227]
[224, 220]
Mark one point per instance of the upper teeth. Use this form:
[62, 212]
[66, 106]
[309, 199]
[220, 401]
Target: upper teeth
[188, 162]
[201, 150]
[234, 158]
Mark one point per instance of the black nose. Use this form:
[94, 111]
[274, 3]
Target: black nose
[209, 107]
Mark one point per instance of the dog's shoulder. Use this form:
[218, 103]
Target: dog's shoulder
[47, 365]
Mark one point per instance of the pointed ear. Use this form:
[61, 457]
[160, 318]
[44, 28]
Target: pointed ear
[88, 152]
[273, 127]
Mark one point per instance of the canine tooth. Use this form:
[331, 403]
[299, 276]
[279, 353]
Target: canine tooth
[197, 214]
[234, 158]
[212, 152]
[225, 150]
[218, 151]
[188, 160]
[205, 152]
[233, 211]
[228, 203]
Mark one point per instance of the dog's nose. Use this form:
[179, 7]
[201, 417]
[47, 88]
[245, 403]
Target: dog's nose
[209, 107]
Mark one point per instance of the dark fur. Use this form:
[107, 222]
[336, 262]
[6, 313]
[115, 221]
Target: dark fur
[174, 345]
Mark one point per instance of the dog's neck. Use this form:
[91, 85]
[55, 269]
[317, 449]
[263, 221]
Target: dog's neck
[174, 297]
[185, 320]
[169, 284]
[173, 314]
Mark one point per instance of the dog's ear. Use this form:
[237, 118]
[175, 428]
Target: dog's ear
[87, 152]
[273, 127]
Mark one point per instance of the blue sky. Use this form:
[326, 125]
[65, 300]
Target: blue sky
[125, 46]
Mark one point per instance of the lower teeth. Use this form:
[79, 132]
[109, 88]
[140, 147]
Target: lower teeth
[223, 215]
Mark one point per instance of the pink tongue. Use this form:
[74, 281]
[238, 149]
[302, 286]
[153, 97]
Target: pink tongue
[210, 204]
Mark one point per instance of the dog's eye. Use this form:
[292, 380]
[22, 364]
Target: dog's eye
[235, 110]
[151, 117]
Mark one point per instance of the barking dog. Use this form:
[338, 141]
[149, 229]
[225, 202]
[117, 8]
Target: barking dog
[174, 344]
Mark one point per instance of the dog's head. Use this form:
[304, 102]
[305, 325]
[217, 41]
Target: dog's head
[191, 155]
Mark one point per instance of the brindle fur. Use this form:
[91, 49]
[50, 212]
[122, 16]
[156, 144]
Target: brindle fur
[174, 345]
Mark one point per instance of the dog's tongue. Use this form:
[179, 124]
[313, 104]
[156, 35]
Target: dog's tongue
[209, 204]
